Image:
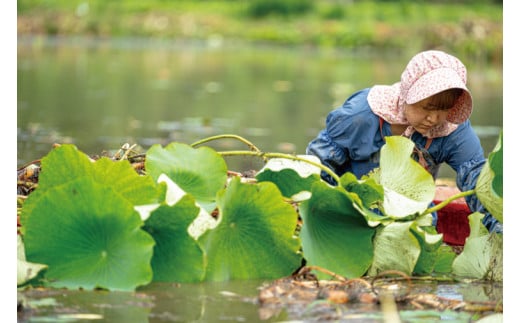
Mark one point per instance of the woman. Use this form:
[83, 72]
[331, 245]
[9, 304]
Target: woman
[431, 105]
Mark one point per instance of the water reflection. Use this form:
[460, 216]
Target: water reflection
[100, 94]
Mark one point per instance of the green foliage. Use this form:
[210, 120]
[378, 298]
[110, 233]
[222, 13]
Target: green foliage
[177, 257]
[284, 8]
[89, 237]
[406, 194]
[335, 234]
[482, 256]
[430, 244]
[470, 30]
[291, 177]
[255, 235]
[176, 161]
[489, 186]
[82, 224]
[98, 224]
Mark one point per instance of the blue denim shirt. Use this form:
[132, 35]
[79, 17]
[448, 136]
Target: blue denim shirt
[352, 139]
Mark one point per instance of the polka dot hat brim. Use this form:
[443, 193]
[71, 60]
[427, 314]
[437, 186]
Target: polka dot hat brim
[438, 80]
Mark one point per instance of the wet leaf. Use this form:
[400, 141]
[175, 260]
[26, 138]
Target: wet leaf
[255, 236]
[335, 234]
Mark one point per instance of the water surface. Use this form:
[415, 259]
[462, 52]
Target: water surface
[100, 94]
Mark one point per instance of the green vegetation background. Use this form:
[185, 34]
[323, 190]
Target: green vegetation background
[470, 29]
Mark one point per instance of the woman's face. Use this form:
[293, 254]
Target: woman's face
[423, 116]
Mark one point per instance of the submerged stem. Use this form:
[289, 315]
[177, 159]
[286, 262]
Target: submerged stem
[447, 201]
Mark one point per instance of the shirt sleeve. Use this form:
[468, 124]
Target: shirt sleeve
[348, 135]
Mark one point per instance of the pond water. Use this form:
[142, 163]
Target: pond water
[101, 94]
[238, 301]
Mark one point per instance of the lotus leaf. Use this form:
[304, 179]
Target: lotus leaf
[198, 171]
[90, 237]
[255, 235]
[291, 176]
[371, 194]
[482, 256]
[66, 163]
[430, 244]
[177, 257]
[202, 222]
[335, 234]
[408, 187]
[490, 182]
[395, 248]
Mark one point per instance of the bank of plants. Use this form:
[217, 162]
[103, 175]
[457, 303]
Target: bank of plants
[185, 217]
[472, 30]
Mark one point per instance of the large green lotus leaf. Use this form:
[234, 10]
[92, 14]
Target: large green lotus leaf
[482, 255]
[395, 248]
[335, 234]
[255, 236]
[66, 163]
[123, 179]
[90, 237]
[177, 257]
[430, 244]
[489, 185]
[63, 164]
[291, 176]
[198, 171]
[408, 187]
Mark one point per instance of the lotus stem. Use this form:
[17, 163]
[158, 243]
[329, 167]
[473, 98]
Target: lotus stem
[281, 155]
[226, 136]
[447, 201]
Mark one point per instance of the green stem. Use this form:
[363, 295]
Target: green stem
[225, 136]
[281, 155]
[447, 201]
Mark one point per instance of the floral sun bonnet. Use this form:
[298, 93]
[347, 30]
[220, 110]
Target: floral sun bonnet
[427, 73]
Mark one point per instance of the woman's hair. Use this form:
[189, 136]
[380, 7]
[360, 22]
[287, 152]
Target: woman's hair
[446, 99]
